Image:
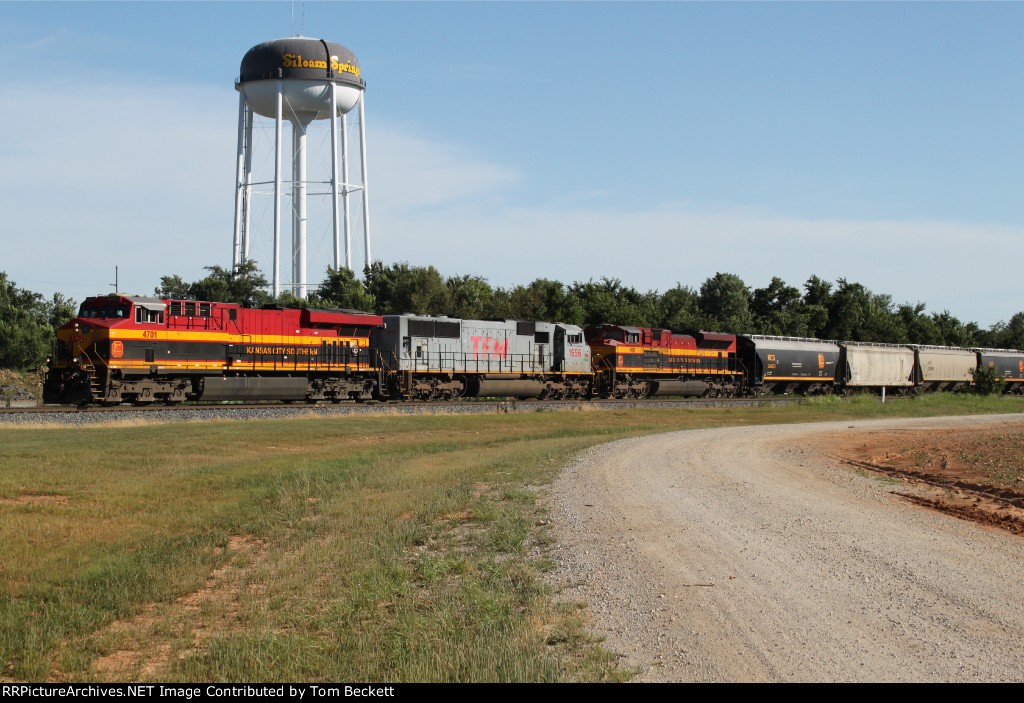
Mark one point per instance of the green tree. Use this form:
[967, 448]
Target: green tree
[680, 310]
[342, 290]
[287, 299]
[244, 285]
[173, 288]
[545, 300]
[778, 309]
[726, 299]
[403, 288]
[28, 324]
[986, 381]
[816, 300]
[609, 301]
[470, 297]
[953, 333]
[921, 328]
[1008, 335]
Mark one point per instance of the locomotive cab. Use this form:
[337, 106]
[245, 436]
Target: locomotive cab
[87, 345]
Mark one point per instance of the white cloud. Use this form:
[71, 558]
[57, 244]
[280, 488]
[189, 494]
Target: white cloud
[414, 173]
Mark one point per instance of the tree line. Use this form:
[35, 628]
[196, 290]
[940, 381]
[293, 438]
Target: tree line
[723, 302]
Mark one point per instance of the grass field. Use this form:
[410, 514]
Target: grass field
[352, 549]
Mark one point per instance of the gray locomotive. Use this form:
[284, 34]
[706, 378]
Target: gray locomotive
[440, 358]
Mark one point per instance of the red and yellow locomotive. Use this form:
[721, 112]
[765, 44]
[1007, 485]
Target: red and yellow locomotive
[640, 362]
[140, 350]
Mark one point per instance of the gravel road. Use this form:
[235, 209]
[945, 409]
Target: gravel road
[743, 554]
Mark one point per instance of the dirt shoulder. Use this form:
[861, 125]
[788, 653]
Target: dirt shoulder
[975, 474]
[764, 554]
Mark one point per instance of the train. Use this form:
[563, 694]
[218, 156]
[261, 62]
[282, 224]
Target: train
[141, 350]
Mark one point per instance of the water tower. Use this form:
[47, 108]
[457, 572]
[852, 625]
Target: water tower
[300, 80]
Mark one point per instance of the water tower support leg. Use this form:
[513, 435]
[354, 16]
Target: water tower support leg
[247, 196]
[366, 188]
[344, 193]
[236, 247]
[334, 175]
[277, 196]
[299, 209]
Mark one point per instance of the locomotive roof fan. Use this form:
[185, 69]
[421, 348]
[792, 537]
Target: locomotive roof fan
[301, 80]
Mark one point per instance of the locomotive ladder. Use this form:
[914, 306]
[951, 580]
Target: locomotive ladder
[97, 388]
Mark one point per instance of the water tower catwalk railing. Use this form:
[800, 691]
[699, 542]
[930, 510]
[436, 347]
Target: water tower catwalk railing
[300, 80]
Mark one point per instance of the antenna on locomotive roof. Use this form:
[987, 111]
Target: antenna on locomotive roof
[117, 288]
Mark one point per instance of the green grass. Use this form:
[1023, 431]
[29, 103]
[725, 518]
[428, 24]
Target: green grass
[376, 548]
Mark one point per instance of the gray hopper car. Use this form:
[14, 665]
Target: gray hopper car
[875, 366]
[943, 368]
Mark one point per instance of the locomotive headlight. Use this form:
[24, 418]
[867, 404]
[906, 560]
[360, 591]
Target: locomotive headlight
[75, 361]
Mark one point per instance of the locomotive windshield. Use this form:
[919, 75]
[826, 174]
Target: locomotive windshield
[97, 309]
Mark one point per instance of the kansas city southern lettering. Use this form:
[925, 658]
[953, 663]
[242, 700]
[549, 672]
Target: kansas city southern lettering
[293, 351]
[296, 61]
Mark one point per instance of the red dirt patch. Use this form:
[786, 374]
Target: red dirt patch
[143, 655]
[974, 474]
[35, 500]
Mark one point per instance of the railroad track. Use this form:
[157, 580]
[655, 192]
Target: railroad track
[164, 413]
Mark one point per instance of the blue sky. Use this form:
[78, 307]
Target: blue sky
[652, 142]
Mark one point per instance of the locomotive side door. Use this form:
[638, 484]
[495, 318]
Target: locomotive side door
[559, 351]
[542, 340]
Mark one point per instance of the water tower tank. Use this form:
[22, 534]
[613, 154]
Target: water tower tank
[307, 67]
[298, 79]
